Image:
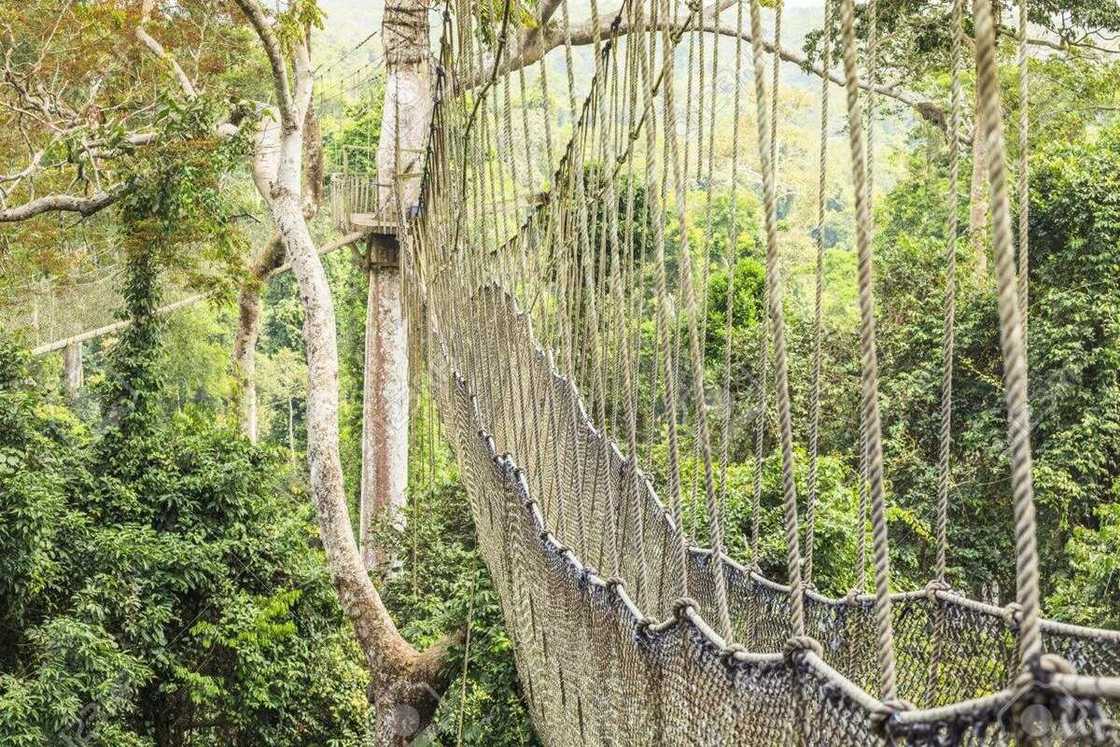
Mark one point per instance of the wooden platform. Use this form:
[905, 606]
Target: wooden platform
[374, 221]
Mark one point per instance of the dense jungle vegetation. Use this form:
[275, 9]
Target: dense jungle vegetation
[162, 578]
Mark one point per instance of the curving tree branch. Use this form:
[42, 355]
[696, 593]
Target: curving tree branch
[535, 43]
[157, 49]
[256, 17]
[84, 206]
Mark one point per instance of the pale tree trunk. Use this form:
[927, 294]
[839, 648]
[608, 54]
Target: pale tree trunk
[385, 402]
[405, 683]
[405, 118]
[270, 258]
[72, 370]
[245, 339]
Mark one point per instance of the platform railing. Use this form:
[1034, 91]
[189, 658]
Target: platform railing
[356, 203]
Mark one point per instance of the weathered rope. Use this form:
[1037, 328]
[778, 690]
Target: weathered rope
[732, 255]
[952, 234]
[948, 333]
[1011, 340]
[777, 321]
[664, 323]
[818, 292]
[775, 90]
[870, 369]
[869, 156]
[715, 530]
[1024, 168]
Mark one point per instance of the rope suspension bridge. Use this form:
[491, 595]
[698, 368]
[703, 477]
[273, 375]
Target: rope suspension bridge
[530, 317]
[530, 294]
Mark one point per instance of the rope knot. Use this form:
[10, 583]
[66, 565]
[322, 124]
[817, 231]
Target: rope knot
[1048, 665]
[1012, 615]
[852, 597]
[880, 718]
[799, 644]
[727, 656]
[682, 604]
[614, 583]
[935, 586]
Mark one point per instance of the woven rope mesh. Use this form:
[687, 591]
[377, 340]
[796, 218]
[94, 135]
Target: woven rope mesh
[598, 668]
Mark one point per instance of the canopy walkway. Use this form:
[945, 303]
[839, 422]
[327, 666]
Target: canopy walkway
[530, 315]
[564, 327]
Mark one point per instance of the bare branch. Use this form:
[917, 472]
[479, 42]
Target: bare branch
[157, 49]
[31, 168]
[84, 206]
[551, 35]
[530, 36]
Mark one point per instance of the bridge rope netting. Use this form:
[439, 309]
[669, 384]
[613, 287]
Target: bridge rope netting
[563, 315]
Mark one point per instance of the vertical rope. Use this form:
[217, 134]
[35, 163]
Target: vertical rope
[775, 88]
[1012, 344]
[1024, 169]
[870, 368]
[869, 124]
[715, 529]
[944, 474]
[774, 302]
[664, 332]
[815, 387]
[872, 96]
[948, 333]
[732, 256]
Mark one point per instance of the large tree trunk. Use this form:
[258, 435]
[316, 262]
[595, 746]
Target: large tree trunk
[406, 116]
[385, 401]
[271, 257]
[405, 684]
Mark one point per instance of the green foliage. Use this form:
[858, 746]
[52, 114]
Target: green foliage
[350, 141]
[159, 581]
[1074, 335]
[441, 586]
[1090, 594]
